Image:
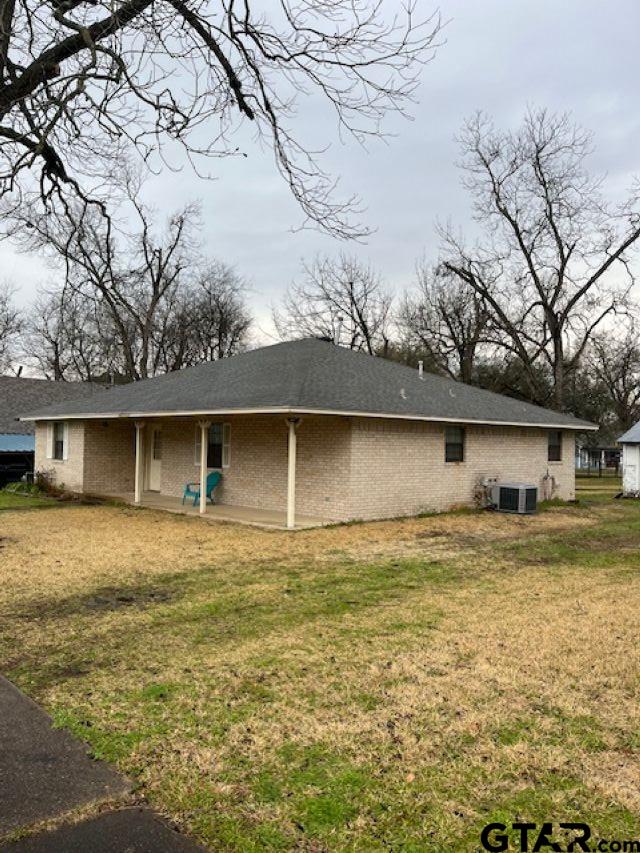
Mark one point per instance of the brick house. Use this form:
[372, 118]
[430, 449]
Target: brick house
[306, 432]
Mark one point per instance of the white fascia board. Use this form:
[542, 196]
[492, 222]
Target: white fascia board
[289, 411]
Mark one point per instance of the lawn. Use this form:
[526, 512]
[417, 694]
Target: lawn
[390, 686]
[593, 486]
[10, 500]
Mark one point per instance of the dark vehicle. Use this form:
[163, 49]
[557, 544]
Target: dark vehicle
[14, 468]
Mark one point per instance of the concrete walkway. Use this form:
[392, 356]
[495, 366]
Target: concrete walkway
[46, 774]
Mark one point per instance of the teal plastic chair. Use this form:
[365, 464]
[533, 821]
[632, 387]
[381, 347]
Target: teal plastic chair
[192, 490]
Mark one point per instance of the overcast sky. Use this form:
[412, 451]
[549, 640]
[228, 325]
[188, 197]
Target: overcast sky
[500, 56]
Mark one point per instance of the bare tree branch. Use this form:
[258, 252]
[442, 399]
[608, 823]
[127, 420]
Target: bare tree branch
[448, 320]
[339, 299]
[81, 81]
[11, 325]
[145, 298]
[553, 262]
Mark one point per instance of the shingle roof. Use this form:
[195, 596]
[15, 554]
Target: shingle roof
[305, 376]
[631, 436]
[19, 394]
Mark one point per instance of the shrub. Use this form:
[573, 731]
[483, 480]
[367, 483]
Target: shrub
[44, 482]
[22, 488]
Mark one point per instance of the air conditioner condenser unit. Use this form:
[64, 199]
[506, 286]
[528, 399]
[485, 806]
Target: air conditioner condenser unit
[521, 498]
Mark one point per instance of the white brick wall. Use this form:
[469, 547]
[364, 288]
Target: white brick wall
[109, 457]
[257, 474]
[67, 473]
[399, 468]
[346, 467]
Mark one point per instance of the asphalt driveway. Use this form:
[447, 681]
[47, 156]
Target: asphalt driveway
[46, 775]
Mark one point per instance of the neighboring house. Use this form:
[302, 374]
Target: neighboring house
[598, 456]
[305, 427]
[17, 438]
[630, 442]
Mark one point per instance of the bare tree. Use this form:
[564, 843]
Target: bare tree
[72, 336]
[82, 79]
[11, 324]
[446, 319]
[339, 299]
[204, 320]
[616, 364]
[129, 274]
[554, 259]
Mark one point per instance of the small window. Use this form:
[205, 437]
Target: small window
[214, 451]
[554, 447]
[454, 444]
[58, 440]
[218, 446]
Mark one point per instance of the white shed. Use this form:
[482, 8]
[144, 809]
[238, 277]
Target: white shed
[630, 442]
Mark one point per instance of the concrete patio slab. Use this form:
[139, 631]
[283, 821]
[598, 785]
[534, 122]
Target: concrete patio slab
[44, 772]
[265, 518]
[126, 831]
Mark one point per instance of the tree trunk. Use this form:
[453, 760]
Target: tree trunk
[559, 377]
[467, 358]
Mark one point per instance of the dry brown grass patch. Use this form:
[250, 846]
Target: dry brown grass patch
[467, 679]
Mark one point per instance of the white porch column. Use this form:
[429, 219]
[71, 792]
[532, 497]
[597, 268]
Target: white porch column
[139, 462]
[291, 474]
[204, 448]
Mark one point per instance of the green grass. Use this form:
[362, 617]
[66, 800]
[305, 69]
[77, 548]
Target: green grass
[597, 489]
[363, 688]
[11, 500]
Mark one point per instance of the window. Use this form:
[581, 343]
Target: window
[57, 440]
[454, 444]
[214, 451]
[218, 447]
[554, 447]
[157, 445]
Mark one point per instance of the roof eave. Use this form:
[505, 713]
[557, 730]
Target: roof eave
[285, 410]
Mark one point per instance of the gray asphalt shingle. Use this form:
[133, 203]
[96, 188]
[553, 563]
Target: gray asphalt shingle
[631, 436]
[310, 375]
[21, 394]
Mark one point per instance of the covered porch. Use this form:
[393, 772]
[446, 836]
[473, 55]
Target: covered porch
[275, 471]
[267, 518]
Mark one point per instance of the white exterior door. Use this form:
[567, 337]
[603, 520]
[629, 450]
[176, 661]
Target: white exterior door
[154, 460]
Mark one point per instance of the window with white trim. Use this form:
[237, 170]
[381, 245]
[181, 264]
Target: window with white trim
[58, 441]
[218, 448]
[157, 445]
